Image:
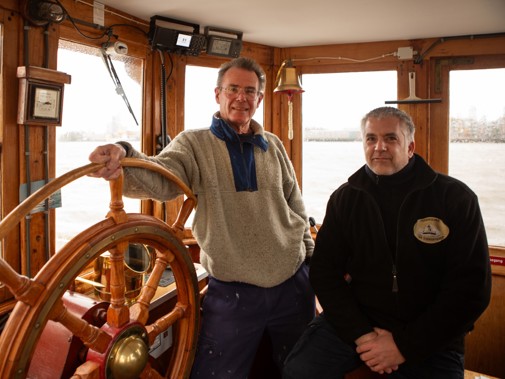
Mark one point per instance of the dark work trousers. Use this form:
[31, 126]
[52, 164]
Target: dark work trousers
[321, 354]
[235, 317]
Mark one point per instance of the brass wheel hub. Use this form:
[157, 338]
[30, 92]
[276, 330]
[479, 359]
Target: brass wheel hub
[129, 354]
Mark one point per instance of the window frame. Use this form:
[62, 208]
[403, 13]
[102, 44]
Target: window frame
[438, 141]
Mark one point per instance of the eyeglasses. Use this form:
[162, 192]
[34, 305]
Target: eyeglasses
[233, 91]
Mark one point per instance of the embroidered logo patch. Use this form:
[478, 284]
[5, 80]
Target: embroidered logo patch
[430, 230]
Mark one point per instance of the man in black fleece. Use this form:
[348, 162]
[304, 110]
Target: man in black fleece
[400, 267]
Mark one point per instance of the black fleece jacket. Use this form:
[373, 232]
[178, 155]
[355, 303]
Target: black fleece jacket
[425, 276]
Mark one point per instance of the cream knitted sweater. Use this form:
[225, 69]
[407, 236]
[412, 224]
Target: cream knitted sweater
[260, 237]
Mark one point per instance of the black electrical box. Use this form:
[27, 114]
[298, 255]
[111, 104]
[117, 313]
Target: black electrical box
[223, 42]
[175, 36]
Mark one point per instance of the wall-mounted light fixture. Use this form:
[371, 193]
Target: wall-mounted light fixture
[43, 12]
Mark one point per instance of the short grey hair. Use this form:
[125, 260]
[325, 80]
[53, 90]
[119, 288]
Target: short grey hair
[246, 64]
[382, 112]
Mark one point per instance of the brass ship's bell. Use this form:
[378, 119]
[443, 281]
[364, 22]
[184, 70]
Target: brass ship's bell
[288, 81]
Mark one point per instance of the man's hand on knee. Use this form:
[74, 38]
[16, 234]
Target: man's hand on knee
[380, 354]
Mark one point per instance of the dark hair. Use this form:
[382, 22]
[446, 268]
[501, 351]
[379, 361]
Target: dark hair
[382, 112]
[246, 64]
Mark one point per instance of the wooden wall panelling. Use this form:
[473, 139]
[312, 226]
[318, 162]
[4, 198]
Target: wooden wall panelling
[148, 139]
[275, 102]
[463, 46]
[418, 111]
[485, 345]
[33, 238]
[150, 82]
[339, 53]
[36, 153]
[9, 132]
[438, 154]
[154, 108]
[26, 144]
[262, 54]
[175, 90]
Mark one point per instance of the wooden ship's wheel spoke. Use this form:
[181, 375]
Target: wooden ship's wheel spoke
[140, 310]
[90, 335]
[119, 346]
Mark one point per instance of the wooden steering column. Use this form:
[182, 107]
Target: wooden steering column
[120, 348]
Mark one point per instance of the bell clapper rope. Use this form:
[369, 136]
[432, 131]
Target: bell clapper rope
[290, 119]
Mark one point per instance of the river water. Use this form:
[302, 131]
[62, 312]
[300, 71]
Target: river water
[326, 166]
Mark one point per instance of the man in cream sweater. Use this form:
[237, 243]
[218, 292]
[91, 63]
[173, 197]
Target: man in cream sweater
[250, 224]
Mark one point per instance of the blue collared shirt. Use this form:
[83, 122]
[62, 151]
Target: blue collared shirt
[241, 151]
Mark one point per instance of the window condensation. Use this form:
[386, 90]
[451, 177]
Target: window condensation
[477, 142]
[93, 114]
[333, 106]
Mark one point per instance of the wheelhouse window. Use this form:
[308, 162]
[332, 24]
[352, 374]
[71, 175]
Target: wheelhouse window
[477, 141]
[94, 113]
[333, 106]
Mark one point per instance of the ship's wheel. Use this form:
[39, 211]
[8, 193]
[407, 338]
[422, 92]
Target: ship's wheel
[120, 347]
